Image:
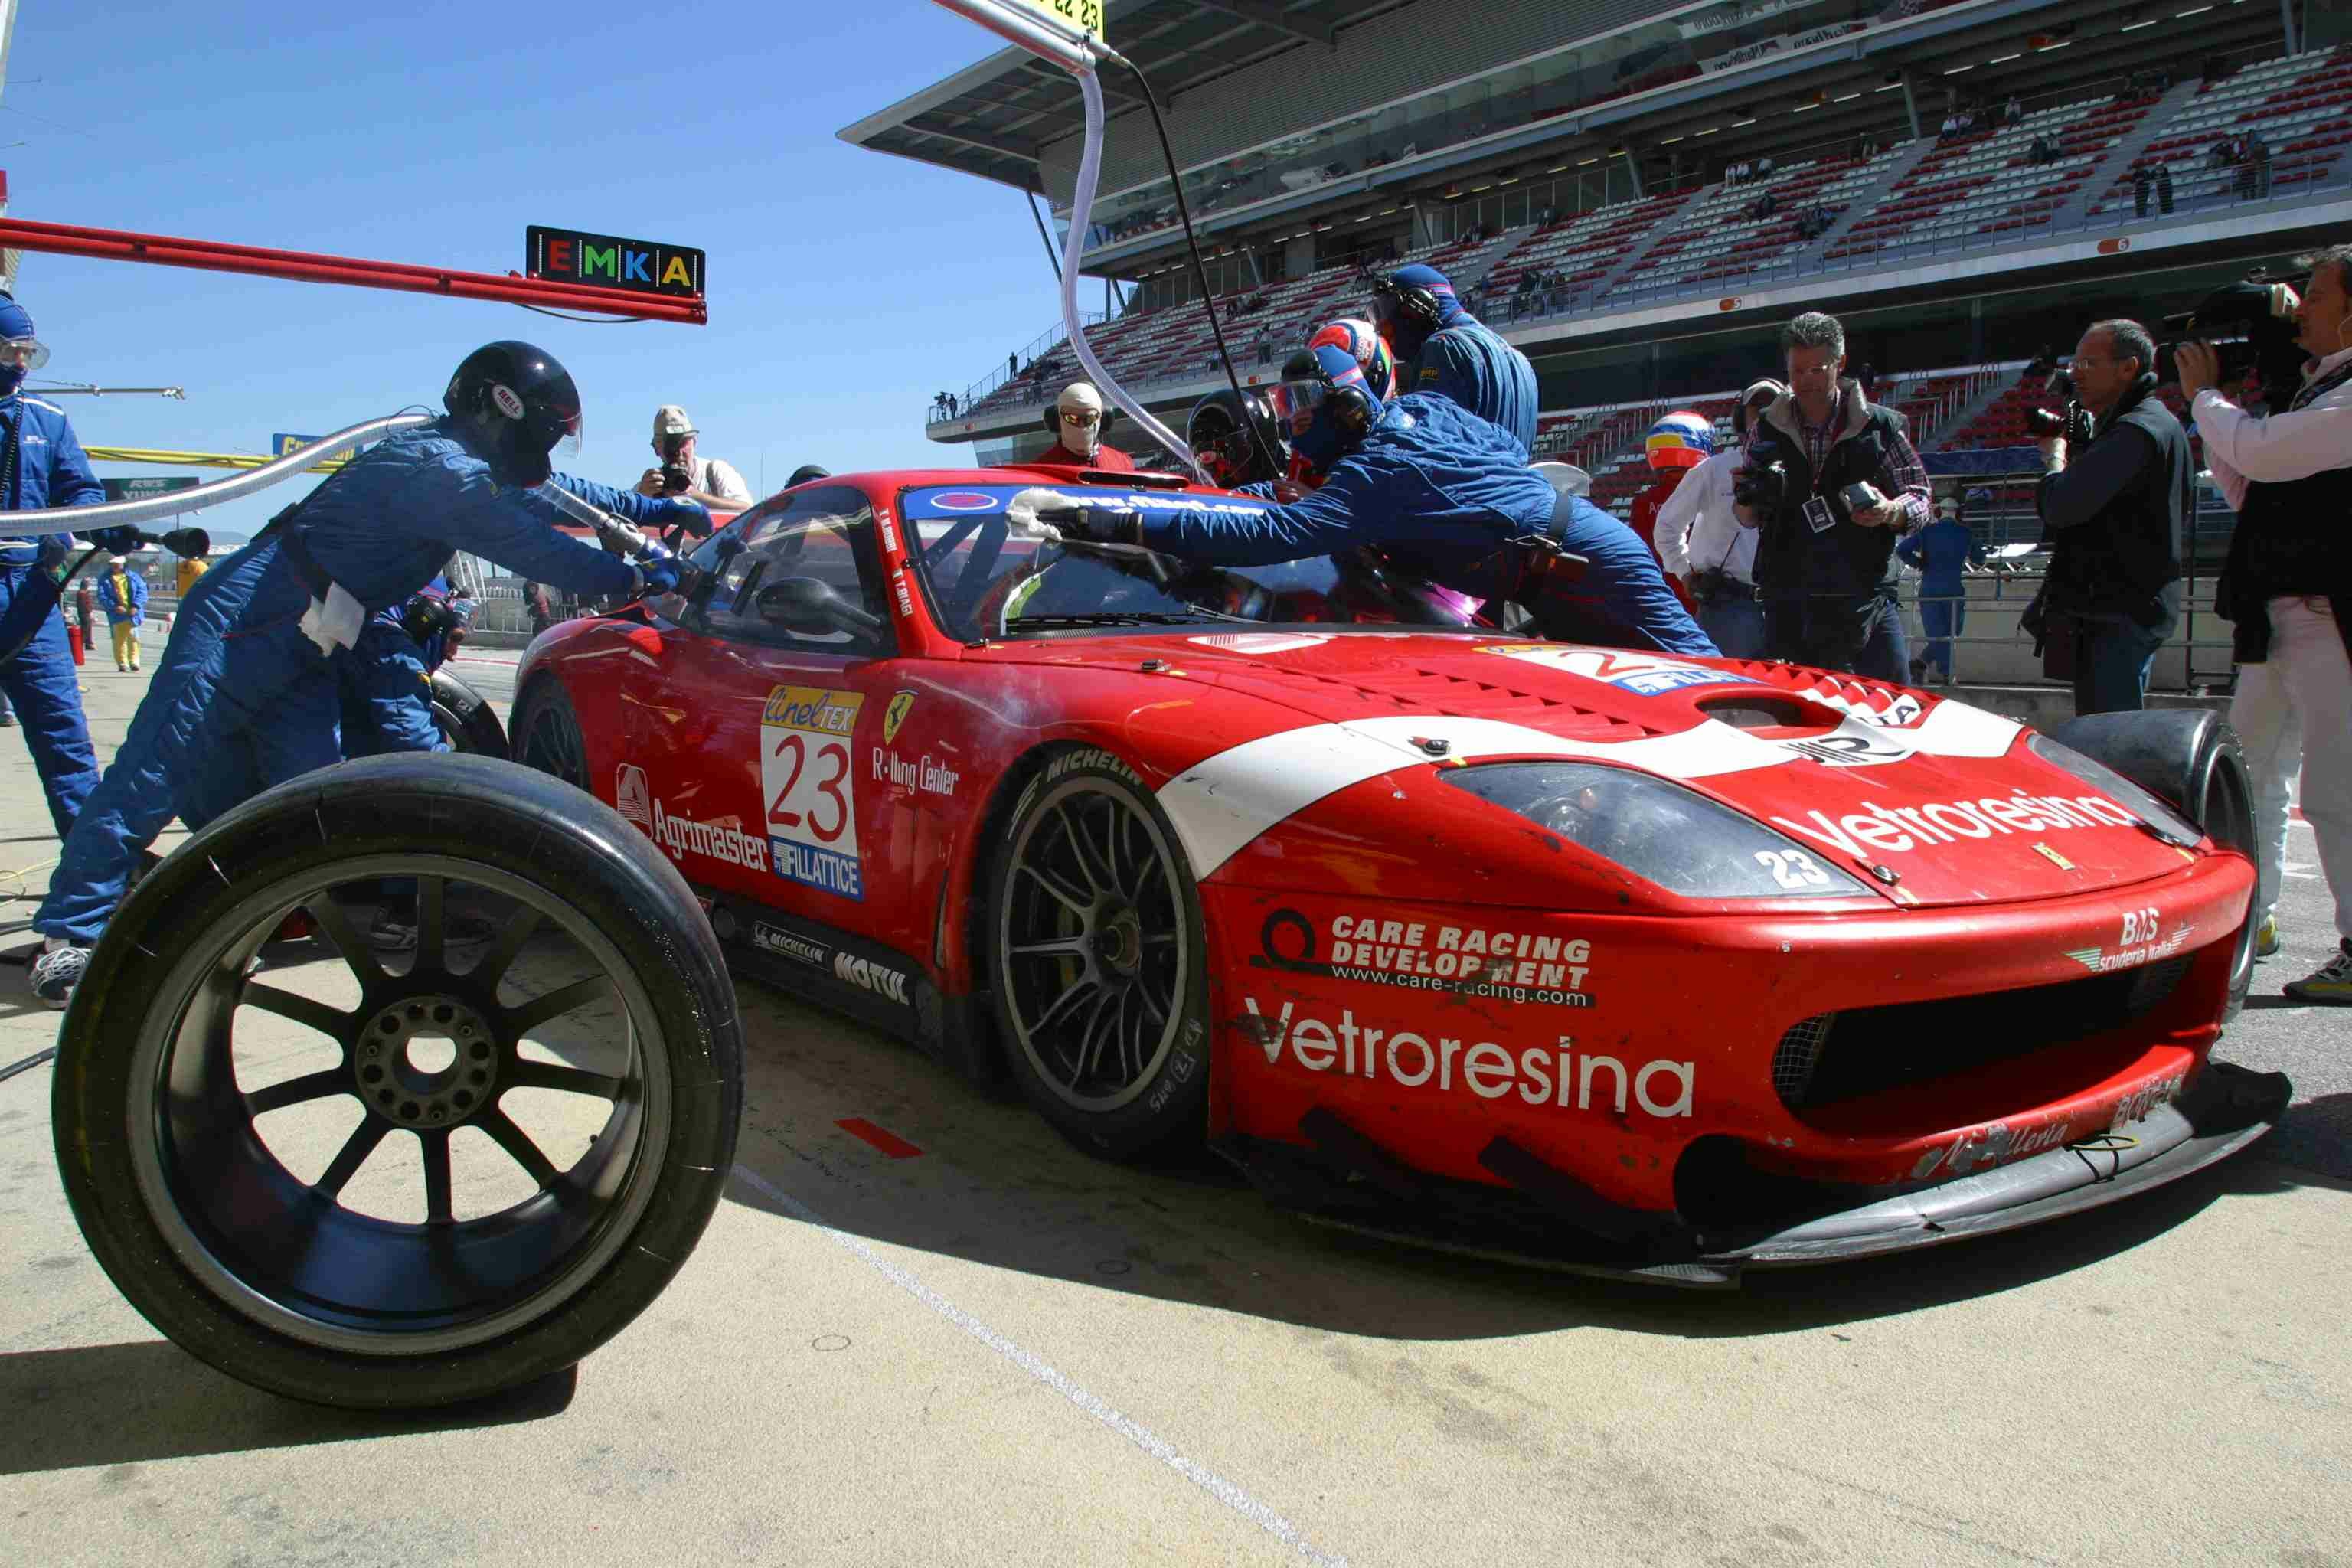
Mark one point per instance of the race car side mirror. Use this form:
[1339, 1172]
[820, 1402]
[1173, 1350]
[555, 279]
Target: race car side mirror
[809, 606]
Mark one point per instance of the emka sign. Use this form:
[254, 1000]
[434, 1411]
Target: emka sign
[571, 255]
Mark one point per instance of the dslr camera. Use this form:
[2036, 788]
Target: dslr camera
[1761, 489]
[676, 480]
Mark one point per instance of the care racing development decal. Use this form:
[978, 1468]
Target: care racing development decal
[682, 835]
[1555, 1075]
[1417, 955]
[804, 775]
[1642, 673]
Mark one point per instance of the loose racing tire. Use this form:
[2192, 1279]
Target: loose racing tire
[1099, 970]
[183, 1165]
[2189, 759]
[466, 719]
[547, 733]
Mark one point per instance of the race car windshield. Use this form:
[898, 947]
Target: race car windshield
[985, 584]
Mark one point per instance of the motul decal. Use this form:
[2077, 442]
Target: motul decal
[889, 983]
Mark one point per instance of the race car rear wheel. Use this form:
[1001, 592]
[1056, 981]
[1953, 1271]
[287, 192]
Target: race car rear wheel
[416, 1163]
[1101, 986]
[466, 719]
[547, 733]
[2190, 759]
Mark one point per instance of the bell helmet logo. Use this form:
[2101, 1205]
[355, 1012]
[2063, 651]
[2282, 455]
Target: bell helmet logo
[504, 396]
[633, 797]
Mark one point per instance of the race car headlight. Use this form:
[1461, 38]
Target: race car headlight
[2162, 820]
[1681, 840]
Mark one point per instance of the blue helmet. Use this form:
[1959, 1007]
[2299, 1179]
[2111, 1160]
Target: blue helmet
[1327, 403]
[20, 351]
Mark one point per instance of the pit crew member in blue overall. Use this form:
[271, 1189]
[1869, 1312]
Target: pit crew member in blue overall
[1943, 550]
[1445, 494]
[386, 677]
[42, 465]
[245, 695]
[1444, 349]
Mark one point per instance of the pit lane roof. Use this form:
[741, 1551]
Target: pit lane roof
[995, 118]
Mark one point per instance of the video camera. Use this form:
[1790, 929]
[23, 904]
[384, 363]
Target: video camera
[2260, 311]
[1761, 489]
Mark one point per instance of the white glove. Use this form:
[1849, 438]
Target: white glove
[1023, 511]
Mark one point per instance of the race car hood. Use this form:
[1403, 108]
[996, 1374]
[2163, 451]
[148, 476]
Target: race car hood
[1937, 801]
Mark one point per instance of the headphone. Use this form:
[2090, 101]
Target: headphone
[1414, 303]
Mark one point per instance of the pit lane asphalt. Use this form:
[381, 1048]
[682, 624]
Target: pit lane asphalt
[999, 1351]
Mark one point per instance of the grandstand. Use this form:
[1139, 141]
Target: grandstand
[1962, 180]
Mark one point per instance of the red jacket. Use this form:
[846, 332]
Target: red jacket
[1644, 522]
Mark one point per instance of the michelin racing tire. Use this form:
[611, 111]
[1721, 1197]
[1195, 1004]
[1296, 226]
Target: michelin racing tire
[2189, 759]
[447, 1251]
[1098, 972]
[466, 720]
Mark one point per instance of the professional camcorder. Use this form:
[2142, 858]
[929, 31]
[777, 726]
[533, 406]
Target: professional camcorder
[2251, 326]
[1761, 489]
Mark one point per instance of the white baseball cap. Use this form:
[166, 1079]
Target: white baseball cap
[669, 419]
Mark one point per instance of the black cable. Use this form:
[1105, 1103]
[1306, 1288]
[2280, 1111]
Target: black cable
[27, 1065]
[1201, 272]
[1047, 238]
[588, 321]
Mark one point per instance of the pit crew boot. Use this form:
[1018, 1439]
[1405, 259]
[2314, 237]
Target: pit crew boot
[58, 969]
[2266, 938]
[2332, 983]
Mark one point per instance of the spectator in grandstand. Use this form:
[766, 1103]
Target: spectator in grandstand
[1441, 348]
[2287, 586]
[2258, 164]
[1441, 492]
[2142, 181]
[1824, 564]
[2113, 513]
[709, 482]
[2013, 111]
[2163, 186]
[1943, 550]
[1702, 545]
[1077, 421]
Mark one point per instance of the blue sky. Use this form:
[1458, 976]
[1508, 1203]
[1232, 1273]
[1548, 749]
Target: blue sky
[846, 287]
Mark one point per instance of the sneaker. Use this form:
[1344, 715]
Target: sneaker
[1918, 672]
[2266, 941]
[2332, 983]
[395, 929]
[58, 969]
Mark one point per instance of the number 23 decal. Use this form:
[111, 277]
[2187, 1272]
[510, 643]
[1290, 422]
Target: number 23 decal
[1792, 868]
[830, 755]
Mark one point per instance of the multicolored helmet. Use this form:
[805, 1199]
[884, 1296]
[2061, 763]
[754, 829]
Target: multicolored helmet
[1681, 440]
[1362, 343]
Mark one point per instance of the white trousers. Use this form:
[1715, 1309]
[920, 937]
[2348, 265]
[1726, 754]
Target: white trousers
[2294, 716]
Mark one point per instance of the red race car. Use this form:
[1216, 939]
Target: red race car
[1652, 965]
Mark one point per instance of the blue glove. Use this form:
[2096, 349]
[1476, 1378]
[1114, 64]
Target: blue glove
[670, 575]
[114, 541]
[692, 516]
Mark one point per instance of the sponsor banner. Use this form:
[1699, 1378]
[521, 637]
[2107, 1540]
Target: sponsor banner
[804, 773]
[2140, 944]
[972, 501]
[725, 842]
[1479, 962]
[1745, 54]
[1554, 1076]
[1899, 829]
[1723, 19]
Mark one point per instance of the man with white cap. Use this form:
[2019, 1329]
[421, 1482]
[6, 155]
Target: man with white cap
[1076, 422]
[685, 472]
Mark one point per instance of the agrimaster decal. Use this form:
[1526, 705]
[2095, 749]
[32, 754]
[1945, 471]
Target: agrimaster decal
[804, 734]
[682, 835]
[1501, 965]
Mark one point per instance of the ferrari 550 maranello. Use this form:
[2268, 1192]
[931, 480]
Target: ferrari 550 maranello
[1660, 966]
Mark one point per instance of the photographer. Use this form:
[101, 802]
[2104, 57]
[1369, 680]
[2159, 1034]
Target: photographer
[2112, 512]
[1702, 544]
[706, 481]
[1832, 481]
[2287, 586]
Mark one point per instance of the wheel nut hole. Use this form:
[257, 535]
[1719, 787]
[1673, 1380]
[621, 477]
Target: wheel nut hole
[443, 1013]
[370, 1075]
[479, 1051]
[389, 1026]
[408, 1110]
[462, 1099]
[416, 1009]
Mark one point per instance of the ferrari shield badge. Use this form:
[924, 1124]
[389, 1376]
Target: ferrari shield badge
[901, 704]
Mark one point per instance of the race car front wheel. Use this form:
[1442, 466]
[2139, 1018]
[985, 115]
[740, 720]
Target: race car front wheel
[464, 718]
[1101, 986]
[450, 1143]
[547, 734]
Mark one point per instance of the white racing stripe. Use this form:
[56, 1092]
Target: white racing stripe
[1142, 1436]
[1223, 802]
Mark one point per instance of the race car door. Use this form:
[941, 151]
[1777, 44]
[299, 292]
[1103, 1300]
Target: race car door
[767, 700]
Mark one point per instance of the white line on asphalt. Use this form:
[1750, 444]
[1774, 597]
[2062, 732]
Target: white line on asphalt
[1142, 1436]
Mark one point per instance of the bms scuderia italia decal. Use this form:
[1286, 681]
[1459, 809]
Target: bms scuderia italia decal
[804, 735]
